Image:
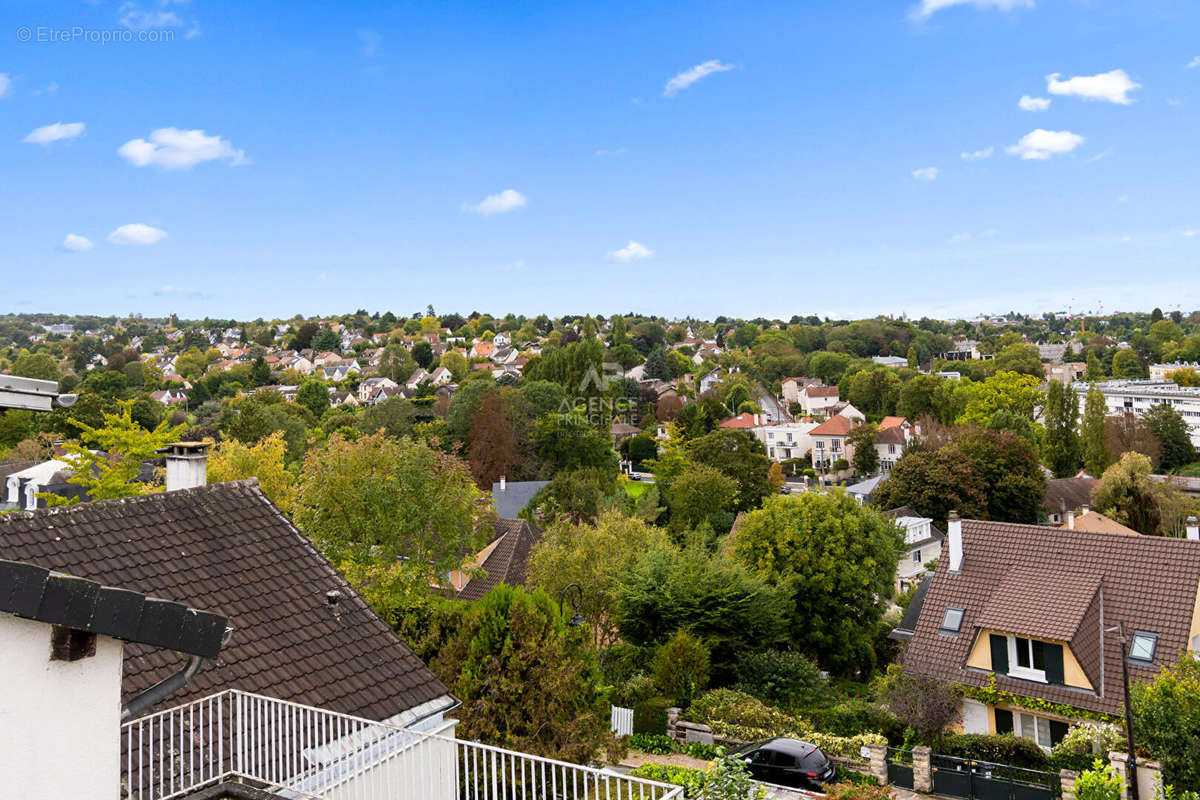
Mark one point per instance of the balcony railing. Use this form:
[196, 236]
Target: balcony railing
[308, 753]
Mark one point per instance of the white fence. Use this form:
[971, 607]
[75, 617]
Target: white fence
[311, 754]
[622, 721]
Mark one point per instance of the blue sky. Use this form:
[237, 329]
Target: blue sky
[735, 158]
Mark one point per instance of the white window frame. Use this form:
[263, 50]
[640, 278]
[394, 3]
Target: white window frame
[1038, 726]
[1015, 669]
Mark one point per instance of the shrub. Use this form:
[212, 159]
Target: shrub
[738, 708]
[998, 748]
[656, 743]
[681, 667]
[844, 746]
[857, 778]
[857, 791]
[925, 704]
[634, 690]
[728, 779]
[1101, 782]
[704, 752]
[1082, 744]
[622, 661]
[780, 677]
[692, 780]
[650, 716]
[855, 715]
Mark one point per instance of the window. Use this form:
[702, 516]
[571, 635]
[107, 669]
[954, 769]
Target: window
[952, 620]
[891, 449]
[916, 556]
[1143, 645]
[835, 445]
[820, 444]
[1036, 729]
[1027, 658]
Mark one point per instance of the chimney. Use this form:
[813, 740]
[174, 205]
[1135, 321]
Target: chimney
[1071, 519]
[502, 482]
[1085, 509]
[187, 465]
[954, 534]
[1193, 529]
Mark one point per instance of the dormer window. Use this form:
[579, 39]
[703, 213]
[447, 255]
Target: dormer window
[952, 620]
[1027, 658]
[1143, 646]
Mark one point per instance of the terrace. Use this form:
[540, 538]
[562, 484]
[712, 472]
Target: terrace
[289, 750]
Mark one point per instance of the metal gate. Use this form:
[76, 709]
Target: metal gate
[621, 721]
[900, 767]
[982, 780]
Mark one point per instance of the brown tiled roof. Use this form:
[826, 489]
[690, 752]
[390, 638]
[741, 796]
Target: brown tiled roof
[1052, 612]
[1068, 493]
[890, 436]
[226, 548]
[821, 391]
[1147, 582]
[509, 559]
[891, 422]
[1098, 523]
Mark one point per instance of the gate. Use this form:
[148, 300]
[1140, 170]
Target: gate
[621, 721]
[982, 780]
[900, 767]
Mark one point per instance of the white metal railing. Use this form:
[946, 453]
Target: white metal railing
[309, 753]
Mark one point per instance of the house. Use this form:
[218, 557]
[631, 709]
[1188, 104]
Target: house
[815, 400]
[509, 497]
[1067, 494]
[743, 421]
[790, 388]
[1065, 373]
[63, 640]
[340, 398]
[301, 632]
[370, 385]
[863, 491]
[708, 381]
[1162, 372]
[922, 544]
[890, 361]
[1095, 522]
[481, 349]
[418, 377]
[829, 442]
[169, 397]
[1037, 613]
[890, 444]
[845, 409]
[440, 377]
[788, 440]
[501, 340]
[504, 560]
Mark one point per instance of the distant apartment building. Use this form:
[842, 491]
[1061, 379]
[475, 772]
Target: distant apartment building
[1159, 372]
[1138, 396]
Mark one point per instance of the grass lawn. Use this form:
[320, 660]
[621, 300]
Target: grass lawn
[635, 489]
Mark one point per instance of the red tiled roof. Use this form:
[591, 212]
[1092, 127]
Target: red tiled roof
[836, 425]
[890, 436]
[226, 548]
[821, 391]
[743, 420]
[891, 422]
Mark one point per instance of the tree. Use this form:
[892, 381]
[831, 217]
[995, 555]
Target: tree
[1129, 433]
[314, 395]
[698, 494]
[1127, 494]
[109, 458]
[326, 340]
[1166, 720]
[596, 557]
[1184, 376]
[1062, 436]
[36, 365]
[232, 460]
[302, 340]
[1004, 390]
[397, 363]
[1126, 364]
[681, 667]
[835, 561]
[493, 449]
[422, 353]
[377, 500]
[578, 494]
[394, 416]
[1095, 456]
[656, 365]
[927, 705]
[527, 681]
[1101, 782]
[739, 455]
[1095, 371]
[866, 456]
[875, 392]
[457, 363]
[728, 607]
[1020, 358]
[566, 441]
[1173, 434]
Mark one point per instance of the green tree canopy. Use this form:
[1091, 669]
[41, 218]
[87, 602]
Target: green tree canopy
[739, 455]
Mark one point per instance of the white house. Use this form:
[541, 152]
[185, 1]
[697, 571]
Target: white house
[816, 399]
[922, 544]
[787, 440]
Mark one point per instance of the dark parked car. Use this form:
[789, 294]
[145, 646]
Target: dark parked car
[787, 762]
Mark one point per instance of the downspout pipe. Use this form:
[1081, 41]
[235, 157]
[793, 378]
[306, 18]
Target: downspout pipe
[167, 686]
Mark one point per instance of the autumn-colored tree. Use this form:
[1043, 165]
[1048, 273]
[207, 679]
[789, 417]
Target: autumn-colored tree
[493, 449]
[1128, 494]
[232, 460]
[1129, 433]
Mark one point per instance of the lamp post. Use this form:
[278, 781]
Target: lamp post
[576, 599]
[1131, 778]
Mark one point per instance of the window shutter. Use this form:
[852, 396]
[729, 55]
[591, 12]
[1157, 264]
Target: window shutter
[1000, 656]
[1054, 663]
[1004, 721]
[1057, 731]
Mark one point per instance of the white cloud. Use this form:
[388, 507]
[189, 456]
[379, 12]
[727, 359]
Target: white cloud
[1027, 103]
[966, 236]
[136, 234]
[5, 84]
[978, 154]
[1126, 239]
[137, 20]
[1041, 144]
[633, 251]
[1195, 62]
[54, 133]
[1190, 233]
[75, 242]
[1103, 154]
[927, 8]
[925, 173]
[52, 88]
[1111, 87]
[502, 203]
[369, 41]
[689, 76]
[172, 148]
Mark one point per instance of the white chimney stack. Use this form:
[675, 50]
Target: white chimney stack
[187, 465]
[1085, 509]
[954, 534]
[502, 483]
[1193, 529]
[1071, 519]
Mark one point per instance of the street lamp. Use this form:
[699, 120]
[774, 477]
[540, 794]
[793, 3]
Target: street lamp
[1132, 777]
[576, 599]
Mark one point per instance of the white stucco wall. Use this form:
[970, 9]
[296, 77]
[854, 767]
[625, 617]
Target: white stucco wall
[59, 721]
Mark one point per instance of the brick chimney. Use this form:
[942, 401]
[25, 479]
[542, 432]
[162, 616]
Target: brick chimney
[187, 465]
[1193, 529]
[954, 536]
